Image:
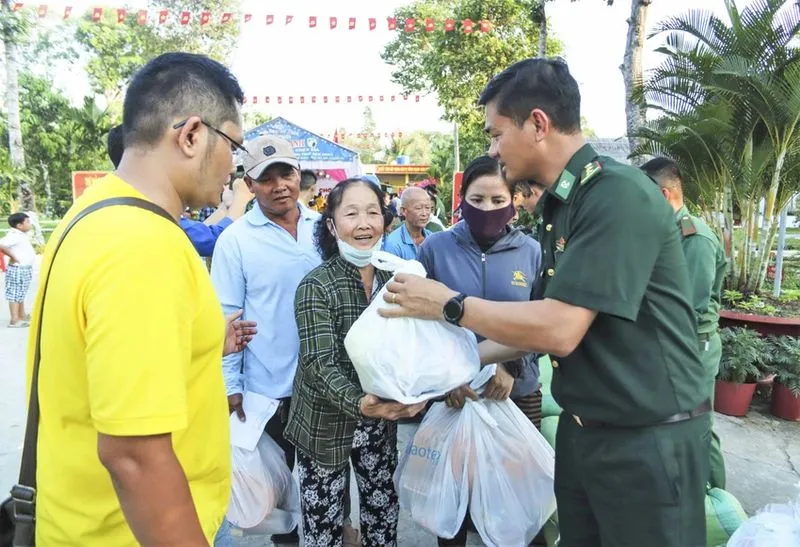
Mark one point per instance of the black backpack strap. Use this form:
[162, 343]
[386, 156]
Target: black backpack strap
[24, 493]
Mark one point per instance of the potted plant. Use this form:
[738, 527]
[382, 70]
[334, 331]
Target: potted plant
[785, 362]
[744, 358]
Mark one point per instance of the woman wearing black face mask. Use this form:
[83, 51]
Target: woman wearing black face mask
[481, 256]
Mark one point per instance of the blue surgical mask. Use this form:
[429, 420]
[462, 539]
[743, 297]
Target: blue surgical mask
[357, 257]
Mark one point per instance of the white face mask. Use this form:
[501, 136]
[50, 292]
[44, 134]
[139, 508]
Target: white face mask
[357, 257]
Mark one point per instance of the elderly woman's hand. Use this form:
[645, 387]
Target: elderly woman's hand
[373, 407]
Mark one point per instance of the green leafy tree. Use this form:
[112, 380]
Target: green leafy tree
[457, 66]
[729, 94]
[117, 51]
[254, 119]
[365, 142]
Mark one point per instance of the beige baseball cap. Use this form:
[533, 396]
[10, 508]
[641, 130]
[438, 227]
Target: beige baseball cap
[264, 151]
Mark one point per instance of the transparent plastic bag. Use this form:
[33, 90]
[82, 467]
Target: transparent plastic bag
[487, 457]
[265, 498]
[775, 525]
[409, 360]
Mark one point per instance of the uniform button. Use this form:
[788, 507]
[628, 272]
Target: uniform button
[548, 227]
[555, 363]
[551, 272]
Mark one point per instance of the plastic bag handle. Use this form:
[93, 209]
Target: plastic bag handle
[478, 384]
[387, 261]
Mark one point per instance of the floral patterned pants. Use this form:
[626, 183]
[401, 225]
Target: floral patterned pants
[374, 460]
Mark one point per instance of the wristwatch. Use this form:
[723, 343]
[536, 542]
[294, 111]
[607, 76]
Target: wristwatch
[454, 309]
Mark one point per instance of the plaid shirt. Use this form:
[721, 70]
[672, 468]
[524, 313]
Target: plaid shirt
[325, 405]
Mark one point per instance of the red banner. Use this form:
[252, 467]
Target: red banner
[67, 12]
[205, 17]
[43, 10]
[162, 16]
[141, 17]
[185, 17]
[97, 14]
[81, 180]
[121, 14]
[458, 178]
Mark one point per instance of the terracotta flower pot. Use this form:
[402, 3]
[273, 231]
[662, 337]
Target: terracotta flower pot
[784, 403]
[733, 399]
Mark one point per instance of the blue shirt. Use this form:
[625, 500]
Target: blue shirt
[204, 236]
[257, 266]
[400, 243]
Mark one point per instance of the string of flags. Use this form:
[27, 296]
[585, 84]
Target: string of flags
[163, 16]
[339, 135]
[332, 99]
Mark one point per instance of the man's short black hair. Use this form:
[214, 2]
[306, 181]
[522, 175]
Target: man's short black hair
[545, 84]
[178, 85]
[15, 219]
[307, 179]
[664, 171]
[115, 145]
[523, 187]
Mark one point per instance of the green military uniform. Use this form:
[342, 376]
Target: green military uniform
[632, 456]
[706, 260]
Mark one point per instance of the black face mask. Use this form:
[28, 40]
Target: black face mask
[486, 224]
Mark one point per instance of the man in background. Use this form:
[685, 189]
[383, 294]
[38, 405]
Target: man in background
[308, 188]
[707, 264]
[415, 207]
[203, 235]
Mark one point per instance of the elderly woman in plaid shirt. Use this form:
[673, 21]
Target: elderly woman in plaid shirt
[332, 421]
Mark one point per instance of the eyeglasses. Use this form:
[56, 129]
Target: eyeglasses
[235, 146]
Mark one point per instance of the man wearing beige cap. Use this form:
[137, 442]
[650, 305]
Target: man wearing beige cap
[258, 263]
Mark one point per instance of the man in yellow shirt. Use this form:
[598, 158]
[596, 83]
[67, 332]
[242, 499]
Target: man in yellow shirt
[133, 435]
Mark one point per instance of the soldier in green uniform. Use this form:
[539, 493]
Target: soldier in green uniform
[614, 315]
[707, 263]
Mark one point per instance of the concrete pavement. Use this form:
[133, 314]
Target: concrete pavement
[762, 453]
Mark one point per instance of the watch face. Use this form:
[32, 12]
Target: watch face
[452, 310]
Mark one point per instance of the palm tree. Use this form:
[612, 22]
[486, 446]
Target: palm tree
[13, 28]
[729, 95]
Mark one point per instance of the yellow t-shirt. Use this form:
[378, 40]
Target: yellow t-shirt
[131, 345]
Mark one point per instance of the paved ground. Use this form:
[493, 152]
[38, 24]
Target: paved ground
[762, 453]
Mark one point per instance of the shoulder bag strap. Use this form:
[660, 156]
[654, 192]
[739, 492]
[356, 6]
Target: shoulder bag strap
[27, 472]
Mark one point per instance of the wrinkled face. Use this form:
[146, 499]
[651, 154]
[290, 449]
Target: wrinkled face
[417, 210]
[358, 219]
[515, 147]
[488, 193]
[277, 189]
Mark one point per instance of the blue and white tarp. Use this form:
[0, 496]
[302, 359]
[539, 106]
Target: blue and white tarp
[312, 151]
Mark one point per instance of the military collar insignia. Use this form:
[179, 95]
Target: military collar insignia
[561, 245]
[687, 226]
[563, 188]
[590, 170]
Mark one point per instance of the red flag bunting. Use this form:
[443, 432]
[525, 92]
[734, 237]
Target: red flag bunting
[393, 97]
[270, 19]
[43, 10]
[141, 17]
[248, 17]
[486, 26]
[291, 100]
[337, 99]
[185, 17]
[226, 17]
[352, 23]
[370, 98]
[67, 12]
[392, 22]
[244, 99]
[361, 98]
[430, 25]
[325, 99]
[313, 100]
[410, 25]
[467, 25]
[302, 100]
[97, 14]
[333, 22]
[450, 25]
[312, 22]
[266, 99]
[121, 14]
[205, 17]
[17, 6]
[289, 19]
[255, 99]
[416, 98]
[162, 16]
[280, 100]
[381, 98]
[373, 23]
[349, 99]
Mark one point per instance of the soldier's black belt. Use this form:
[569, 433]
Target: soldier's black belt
[706, 336]
[704, 408]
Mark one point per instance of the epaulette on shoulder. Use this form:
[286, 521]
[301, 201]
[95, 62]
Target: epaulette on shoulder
[687, 226]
